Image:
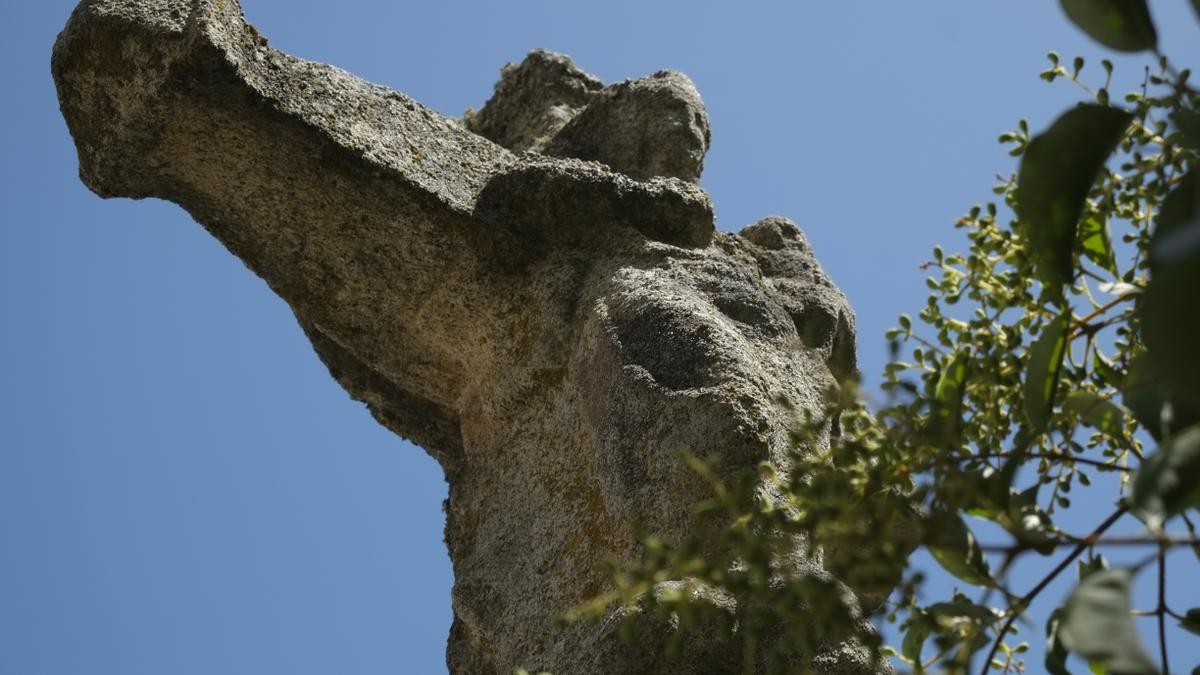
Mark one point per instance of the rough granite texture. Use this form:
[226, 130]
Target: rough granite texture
[651, 126]
[533, 101]
[551, 329]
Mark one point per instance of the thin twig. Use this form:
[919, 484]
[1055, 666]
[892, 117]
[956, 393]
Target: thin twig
[1166, 543]
[1081, 324]
[1188, 522]
[1179, 85]
[1162, 609]
[1062, 457]
[1137, 540]
[1046, 581]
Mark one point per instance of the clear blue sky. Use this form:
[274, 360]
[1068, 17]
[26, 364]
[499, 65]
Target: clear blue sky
[183, 488]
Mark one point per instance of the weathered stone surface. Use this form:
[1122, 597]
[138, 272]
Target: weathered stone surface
[550, 330]
[533, 101]
[651, 126]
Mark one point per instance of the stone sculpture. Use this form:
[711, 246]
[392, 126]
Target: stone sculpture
[536, 295]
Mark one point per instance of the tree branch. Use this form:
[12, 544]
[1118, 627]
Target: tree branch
[1091, 540]
[1058, 456]
[1046, 581]
[1162, 608]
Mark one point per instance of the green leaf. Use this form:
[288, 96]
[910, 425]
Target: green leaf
[1057, 172]
[953, 545]
[997, 486]
[1098, 412]
[1043, 369]
[948, 395]
[1096, 624]
[984, 493]
[1056, 653]
[914, 639]
[1169, 312]
[1110, 374]
[1017, 513]
[950, 382]
[1096, 244]
[1188, 124]
[1143, 394]
[958, 609]
[1026, 521]
[1191, 621]
[959, 617]
[1123, 25]
[1169, 481]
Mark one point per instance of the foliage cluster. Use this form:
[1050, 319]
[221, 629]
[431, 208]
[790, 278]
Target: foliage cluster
[1060, 349]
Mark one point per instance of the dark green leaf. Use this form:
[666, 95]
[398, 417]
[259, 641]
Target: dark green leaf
[946, 614]
[998, 484]
[960, 617]
[953, 545]
[1175, 217]
[1169, 481]
[1191, 621]
[1097, 411]
[1170, 314]
[914, 639]
[1123, 25]
[1018, 513]
[1026, 521]
[1032, 527]
[1096, 244]
[1056, 653]
[1096, 624]
[1143, 395]
[1110, 374]
[1056, 174]
[1188, 124]
[1043, 369]
[985, 493]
